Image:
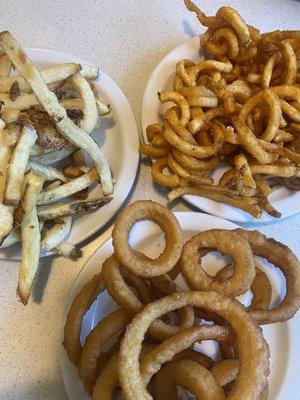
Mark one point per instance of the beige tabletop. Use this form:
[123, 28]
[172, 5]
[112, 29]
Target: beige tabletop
[126, 38]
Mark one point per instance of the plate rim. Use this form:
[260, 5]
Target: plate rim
[191, 199]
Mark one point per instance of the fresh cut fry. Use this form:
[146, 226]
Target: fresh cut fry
[55, 235]
[69, 188]
[31, 237]
[55, 211]
[17, 166]
[51, 104]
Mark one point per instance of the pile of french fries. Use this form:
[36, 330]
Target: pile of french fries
[46, 117]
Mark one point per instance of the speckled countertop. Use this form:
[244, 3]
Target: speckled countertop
[126, 38]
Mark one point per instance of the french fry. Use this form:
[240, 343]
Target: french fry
[103, 108]
[51, 105]
[49, 173]
[54, 155]
[67, 189]
[5, 154]
[52, 74]
[57, 233]
[5, 66]
[17, 166]
[6, 221]
[68, 250]
[90, 112]
[13, 238]
[31, 237]
[56, 211]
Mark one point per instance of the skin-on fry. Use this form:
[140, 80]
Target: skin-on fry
[90, 112]
[57, 233]
[68, 250]
[79, 307]
[67, 189]
[49, 173]
[31, 237]
[64, 210]
[52, 74]
[256, 378]
[17, 166]
[54, 155]
[6, 222]
[50, 103]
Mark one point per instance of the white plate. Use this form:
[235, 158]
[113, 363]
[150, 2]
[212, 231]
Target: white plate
[284, 200]
[119, 139]
[283, 338]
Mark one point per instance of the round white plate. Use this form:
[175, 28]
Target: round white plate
[118, 137]
[146, 237]
[284, 200]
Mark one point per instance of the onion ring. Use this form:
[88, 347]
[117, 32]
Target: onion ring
[226, 242]
[126, 298]
[282, 257]
[189, 375]
[141, 210]
[113, 324]
[251, 379]
[79, 307]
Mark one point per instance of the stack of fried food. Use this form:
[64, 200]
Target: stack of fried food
[45, 117]
[238, 107]
[145, 348]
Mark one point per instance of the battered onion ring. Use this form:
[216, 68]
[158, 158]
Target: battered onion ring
[108, 380]
[180, 101]
[79, 307]
[113, 324]
[282, 257]
[189, 375]
[227, 242]
[151, 363]
[260, 288]
[274, 111]
[225, 372]
[126, 298]
[252, 376]
[129, 258]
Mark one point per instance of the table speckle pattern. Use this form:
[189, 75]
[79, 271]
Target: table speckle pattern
[126, 38]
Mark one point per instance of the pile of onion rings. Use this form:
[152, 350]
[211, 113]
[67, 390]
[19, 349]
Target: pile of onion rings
[238, 109]
[147, 349]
